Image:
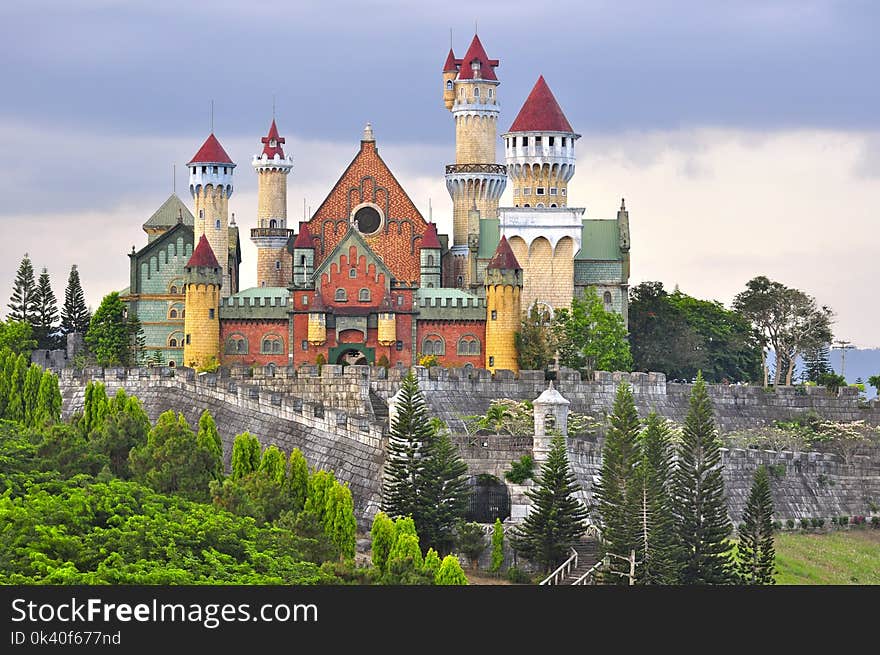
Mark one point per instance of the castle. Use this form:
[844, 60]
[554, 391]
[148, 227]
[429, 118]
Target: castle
[367, 279]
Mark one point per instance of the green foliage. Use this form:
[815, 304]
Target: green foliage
[817, 362]
[17, 336]
[341, 527]
[431, 563]
[450, 572]
[557, 518]
[47, 313]
[75, 316]
[520, 470]
[320, 485]
[831, 381]
[124, 427]
[209, 438]
[534, 341]
[874, 381]
[23, 305]
[428, 360]
[245, 455]
[297, 484]
[518, 576]
[115, 336]
[698, 499]
[95, 407]
[48, 406]
[471, 541]
[404, 555]
[383, 535]
[497, 546]
[272, 465]
[255, 495]
[587, 336]
[210, 365]
[755, 553]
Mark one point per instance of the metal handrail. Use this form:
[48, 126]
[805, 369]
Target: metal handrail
[558, 573]
[498, 169]
[592, 570]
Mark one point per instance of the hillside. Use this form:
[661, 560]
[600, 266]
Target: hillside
[846, 557]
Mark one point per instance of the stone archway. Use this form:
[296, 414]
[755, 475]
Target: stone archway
[351, 357]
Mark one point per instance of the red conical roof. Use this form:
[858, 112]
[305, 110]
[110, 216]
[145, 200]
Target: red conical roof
[203, 255]
[503, 259]
[268, 150]
[541, 112]
[211, 152]
[429, 238]
[451, 61]
[304, 238]
[476, 51]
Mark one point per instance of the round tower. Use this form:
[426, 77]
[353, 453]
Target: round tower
[210, 183]
[550, 418]
[475, 179]
[271, 236]
[429, 255]
[539, 151]
[203, 281]
[503, 308]
[303, 258]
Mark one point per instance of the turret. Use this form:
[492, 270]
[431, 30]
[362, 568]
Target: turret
[317, 332]
[430, 258]
[387, 322]
[539, 150]
[551, 418]
[503, 308]
[271, 236]
[450, 71]
[210, 183]
[303, 258]
[203, 280]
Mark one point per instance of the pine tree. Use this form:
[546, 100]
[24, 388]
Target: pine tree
[48, 408]
[431, 563]
[272, 464]
[497, 546]
[341, 526]
[209, 439]
[245, 455]
[47, 313]
[450, 572]
[23, 303]
[699, 506]
[17, 371]
[95, 408]
[382, 539]
[616, 491]
[817, 362]
[444, 490]
[320, 485]
[757, 556]
[656, 541]
[557, 518]
[297, 480]
[29, 393]
[75, 316]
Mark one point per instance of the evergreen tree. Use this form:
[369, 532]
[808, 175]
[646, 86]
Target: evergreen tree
[297, 480]
[341, 526]
[757, 556]
[817, 362]
[16, 372]
[656, 540]
[75, 316]
[209, 439]
[29, 393]
[47, 313]
[124, 428]
[320, 485]
[616, 491]
[272, 464]
[450, 572]
[115, 336]
[431, 563]
[95, 408]
[245, 455]
[444, 490]
[23, 303]
[497, 546]
[534, 341]
[382, 539]
[557, 518]
[17, 337]
[699, 506]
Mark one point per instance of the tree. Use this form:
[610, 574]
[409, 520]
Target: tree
[75, 316]
[17, 336]
[23, 303]
[450, 572]
[272, 465]
[616, 492]
[817, 362]
[471, 541]
[48, 407]
[586, 335]
[114, 337]
[699, 505]
[297, 480]
[557, 518]
[125, 426]
[445, 489]
[431, 564]
[534, 341]
[497, 546]
[46, 314]
[382, 534]
[788, 320]
[341, 526]
[209, 439]
[874, 381]
[656, 547]
[756, 554]
[95, 408]
[245, 455]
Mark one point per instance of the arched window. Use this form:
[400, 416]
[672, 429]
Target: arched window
[272, 345]
[352, 272]
[171, 364]
[468, 345]
[364, 295]
[449, 85]
[172, 343]
[433, 344]
[172, 313]
[430, 260]
[607, 298]
[341, 295]
[176, 287]
[476, 92]
[460, 280]
[273, 223]
[173, 290]
[175, 340]
[236, 344]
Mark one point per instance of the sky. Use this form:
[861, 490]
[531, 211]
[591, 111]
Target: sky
[744, 136]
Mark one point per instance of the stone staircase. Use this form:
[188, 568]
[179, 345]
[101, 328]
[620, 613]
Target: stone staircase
[588, 556]
[379, 407]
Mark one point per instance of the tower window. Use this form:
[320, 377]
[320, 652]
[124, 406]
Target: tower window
[607, 299]
[305, 344]
[172, 313]
[430, 260]
[302, 260]
[550, 140]
[172, 343]
[564, 141]
[277, 264]
[214, 170]
[305, 301]
[476, 92]
[187, 340]
[539, 191]
[491, 360]
[449, 85]
[563, 192]
[341, 295]
[494, 315]
[204, 170]
[553, 191]
[173, 290]
[352, 272]
[489, 92]
[398, 346]
[400, 301]
[364, 295]
[527, 191]
[201, 213]
[211, 314]
[273, 223]
[525, 140]
[217, 224]
[537, 140]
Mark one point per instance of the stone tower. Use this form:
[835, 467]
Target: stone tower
[503, 308]
[271, 236]
[303, 258]
[430, 258]
[551, 418]
[203, 282]
[475, 180]
[539, 151]
[210, 183]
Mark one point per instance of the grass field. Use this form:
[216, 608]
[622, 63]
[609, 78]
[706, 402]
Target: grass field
[843, 558]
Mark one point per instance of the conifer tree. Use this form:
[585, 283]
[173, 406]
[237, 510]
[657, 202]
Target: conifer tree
[557, 518]
[245, 455]
[382, 539]
[23, 303]
[320, 485]
[48, 408]
[497, 546]
[47, 313]
[272, 464]
[29, 393]
[656, 540]
[297, 480]
[450, 572]
[341, 526]
[444, 490]
[699, 506]
[209, 439]
[431, 563]
[757, 555]
[616, 491]
[95, 407]
[75, 316]
[17, 372]
[6, 356]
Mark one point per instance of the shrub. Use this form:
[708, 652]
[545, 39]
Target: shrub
[816, 523]
[832, 381]
[520, 470]
[789, 524]
[497, 546]
[777, 470]
[805, 524]
[875, 522]
[518, 576]
[471, 541]
[843, 521]
[858, 520]
[428, 361]
[777, 525]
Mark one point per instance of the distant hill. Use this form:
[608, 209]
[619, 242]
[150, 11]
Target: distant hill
[859, 364]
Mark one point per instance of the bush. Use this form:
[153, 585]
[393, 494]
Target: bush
[819, 523]
[843, 521]
[520, 470]
[428, 361]
[518, 576]
[805, 524]
[858, 520]
[471, 540]
[790, 524]
[777, 525]
[875, 522]
[832, 381]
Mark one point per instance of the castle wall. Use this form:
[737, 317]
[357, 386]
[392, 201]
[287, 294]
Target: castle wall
[253, 331]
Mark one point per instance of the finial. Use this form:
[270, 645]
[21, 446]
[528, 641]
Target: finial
[430, 212]
[368, 133]
[550, 386]
[212, 115]
[132, 249]
[622, 205]
[233, 219]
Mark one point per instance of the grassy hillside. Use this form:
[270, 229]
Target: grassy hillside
[845, 557]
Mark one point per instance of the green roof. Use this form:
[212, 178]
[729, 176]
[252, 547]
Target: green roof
[490, 235]
[168, 213]
[599, 241]
[445, 303]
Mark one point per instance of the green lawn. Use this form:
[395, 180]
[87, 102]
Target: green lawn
[845, 557]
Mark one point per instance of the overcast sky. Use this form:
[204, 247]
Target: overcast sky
[745, 136]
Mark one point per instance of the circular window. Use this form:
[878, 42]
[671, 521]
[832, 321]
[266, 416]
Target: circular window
[367, 220]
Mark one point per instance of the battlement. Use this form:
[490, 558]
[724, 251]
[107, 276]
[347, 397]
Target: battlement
[255, 301]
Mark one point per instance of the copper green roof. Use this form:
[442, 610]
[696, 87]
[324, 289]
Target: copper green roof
[599, 241]
[490, 235]
[168, 213]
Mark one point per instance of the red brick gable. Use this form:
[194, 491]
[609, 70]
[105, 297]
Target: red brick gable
[368, 179]
[368, 275]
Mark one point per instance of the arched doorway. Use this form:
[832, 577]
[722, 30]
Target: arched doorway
[352, 357]
[489, 499]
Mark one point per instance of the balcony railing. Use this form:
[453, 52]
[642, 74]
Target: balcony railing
[497, 169]
[270, 232]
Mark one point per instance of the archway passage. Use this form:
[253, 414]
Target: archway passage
[489, 499]
[352, 357]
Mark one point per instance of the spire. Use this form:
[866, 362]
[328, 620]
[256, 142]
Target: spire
[540, 112]
[622, 205]
[203, 255]
[368, 133]
[429, 239]
[272, 142]
[478, 53]
[450, 65]
[211, 152]
[304, 238]
[503, 259]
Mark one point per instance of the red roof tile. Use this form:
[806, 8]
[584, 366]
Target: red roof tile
[541, 112]
[503, 259]
[203, 255]
[304, 238]
[268, 150]
[476, 51]
[429, 239]
[211, 152]
[451, 61]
